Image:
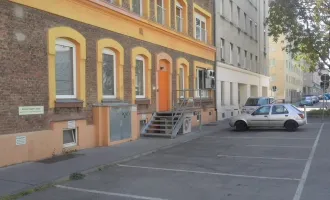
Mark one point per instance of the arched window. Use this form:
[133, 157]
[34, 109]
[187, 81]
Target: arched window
[140, 77]
[109, 75]
[65, 69]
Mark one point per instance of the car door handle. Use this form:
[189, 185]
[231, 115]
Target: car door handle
[265, 116]
[286, 115]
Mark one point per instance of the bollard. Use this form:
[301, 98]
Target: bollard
[305, 112]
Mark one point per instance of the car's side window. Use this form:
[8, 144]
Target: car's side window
[264, 110]
[278, 110]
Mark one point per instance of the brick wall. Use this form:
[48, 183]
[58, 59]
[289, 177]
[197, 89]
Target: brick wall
[24, 67]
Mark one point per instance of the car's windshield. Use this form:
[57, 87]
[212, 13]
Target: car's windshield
[256, 102]
[294, 107]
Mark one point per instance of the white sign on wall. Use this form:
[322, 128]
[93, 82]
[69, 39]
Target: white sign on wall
[20, 140]
[71, 124]
[31, 110]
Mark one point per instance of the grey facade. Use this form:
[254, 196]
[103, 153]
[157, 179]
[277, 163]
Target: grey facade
[242, 53]
[312, 84]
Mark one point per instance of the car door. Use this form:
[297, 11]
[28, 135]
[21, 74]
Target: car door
[260, 117]
[279, 116]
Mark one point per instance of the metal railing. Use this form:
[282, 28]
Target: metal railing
[161, 14]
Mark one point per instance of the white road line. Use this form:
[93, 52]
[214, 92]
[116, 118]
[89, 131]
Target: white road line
[266, 158]
[108, 193]
[211, 173]
[304, 176]
[274, 138]
[278, 146]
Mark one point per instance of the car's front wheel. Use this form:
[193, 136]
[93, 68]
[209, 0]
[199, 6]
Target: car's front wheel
[291, 126]
[241, 126]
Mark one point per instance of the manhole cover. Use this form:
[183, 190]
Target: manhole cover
[60, 158]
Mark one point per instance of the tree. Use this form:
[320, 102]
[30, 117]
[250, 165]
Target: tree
[305, 24]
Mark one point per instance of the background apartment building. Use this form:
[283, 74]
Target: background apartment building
[311, 85]
[286, 73]
[242, 53]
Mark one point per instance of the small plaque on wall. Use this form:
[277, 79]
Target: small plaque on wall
[71, 124]
[20, 140]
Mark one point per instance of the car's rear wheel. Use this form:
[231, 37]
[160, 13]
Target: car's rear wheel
[241, 126]
[291, 126]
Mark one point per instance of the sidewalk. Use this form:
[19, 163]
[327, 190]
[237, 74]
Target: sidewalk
[20, 177]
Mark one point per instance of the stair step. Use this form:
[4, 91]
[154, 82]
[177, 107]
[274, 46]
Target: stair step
[161, 125]
[158, 129]
[157, 120]
[157, 135]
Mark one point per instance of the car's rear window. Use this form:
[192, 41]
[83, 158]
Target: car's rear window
[294, 107]
[256, 102]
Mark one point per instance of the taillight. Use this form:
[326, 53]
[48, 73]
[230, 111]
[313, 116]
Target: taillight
[302, 116]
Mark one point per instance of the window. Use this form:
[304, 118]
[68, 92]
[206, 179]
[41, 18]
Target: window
[231, 53]
[262, 111]
[140, 77]
[109, 74]
[231, 94]
[256, 61]
[160, 12]
[245, 59]
[200, 83]
[256, 31]
[278, 110]
[231, 11]
[251, 28]
[181, 81]
[179, 17]
[222, 49]
[245, 19]
[238, 15]
[65, 69]
[222, 93]
[272, 62]
[222, 7]
[251, 59]
[201, 33]
[69, 137]
[137, 7]
[238, 56]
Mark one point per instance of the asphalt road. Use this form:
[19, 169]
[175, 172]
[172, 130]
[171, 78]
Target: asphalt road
[254, 165]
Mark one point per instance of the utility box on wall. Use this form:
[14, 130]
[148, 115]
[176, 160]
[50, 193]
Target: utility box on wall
[115, 124]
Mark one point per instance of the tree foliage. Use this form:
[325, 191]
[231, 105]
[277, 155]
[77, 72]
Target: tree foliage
[305, 24]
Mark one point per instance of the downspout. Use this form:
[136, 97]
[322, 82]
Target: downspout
[215, 63]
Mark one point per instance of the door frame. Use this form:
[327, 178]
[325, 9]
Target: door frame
[159, 57]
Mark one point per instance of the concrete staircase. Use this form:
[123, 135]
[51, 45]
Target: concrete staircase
[164, 124]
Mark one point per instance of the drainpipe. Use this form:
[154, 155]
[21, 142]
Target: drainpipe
[215, 63]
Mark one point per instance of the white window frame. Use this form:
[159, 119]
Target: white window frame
[231, 53]
[144, 77]
[71, 144]
[178, 5]
[202, 19]
[110, 52]
[231, 10]
[163, 13]
[66, 43]
[183, 83]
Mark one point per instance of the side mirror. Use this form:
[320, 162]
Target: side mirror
[253, 114]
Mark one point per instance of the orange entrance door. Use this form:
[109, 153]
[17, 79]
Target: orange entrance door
[163, 85]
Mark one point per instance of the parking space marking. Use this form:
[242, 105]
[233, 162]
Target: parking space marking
[275, 138]
[266, 158]
[278, 146]
[304, 176]
[108, 193]
[209, 173]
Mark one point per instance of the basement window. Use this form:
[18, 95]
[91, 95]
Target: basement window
[69, 137]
